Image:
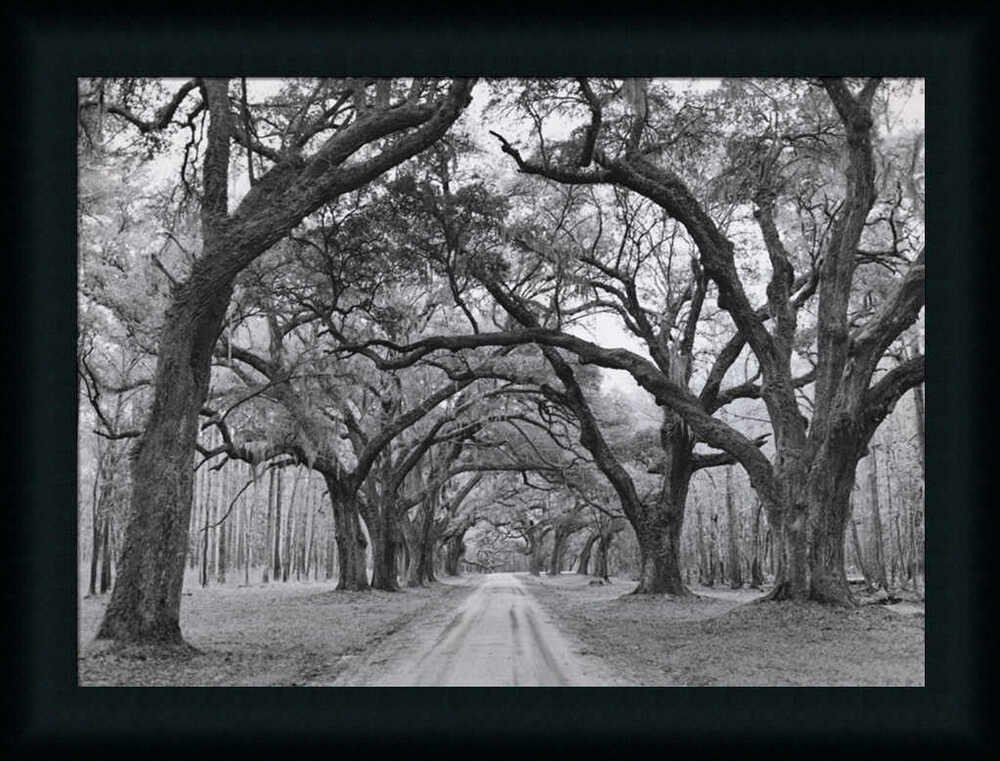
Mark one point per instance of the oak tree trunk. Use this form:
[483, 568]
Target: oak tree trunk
[454, 551]
[425, 561]
[145, 603]
[583, 562]
[410, 528]
[812, 529]
[704, 573]
[559, 537]
[602, 568]
[349, 538]
[385, 533]
[659, 556]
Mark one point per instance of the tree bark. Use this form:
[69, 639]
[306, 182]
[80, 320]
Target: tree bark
[276, 549]
[583, 561]
[411, 533]
[703, 563]
[223, 527]
[659, 555]
[601, 569]
[732, 529]
[95, 521]
[860, 557]
[536, 542]
[290, 529]
[756, 574]
[248, 535]
[349, 538]
[385, 533]
[846, 358]
[106, 552]
[565, 526]
[145, 604]
[330, 556]
[559, 537]
[425, 546]
[454, 552]
[205, 509]
[878, 544]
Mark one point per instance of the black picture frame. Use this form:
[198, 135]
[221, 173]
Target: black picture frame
[44, 707]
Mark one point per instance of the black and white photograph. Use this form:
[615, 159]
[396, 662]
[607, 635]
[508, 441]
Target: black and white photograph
[480, 381]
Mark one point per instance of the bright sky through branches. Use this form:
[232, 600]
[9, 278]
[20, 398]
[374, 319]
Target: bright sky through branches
[906, 115]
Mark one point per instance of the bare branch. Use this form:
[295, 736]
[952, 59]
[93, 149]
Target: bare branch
[163, 115]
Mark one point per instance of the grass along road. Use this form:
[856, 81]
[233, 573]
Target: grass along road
[721, 640]
[278, 634]
[509, 629]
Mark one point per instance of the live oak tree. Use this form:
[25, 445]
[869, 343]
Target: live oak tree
[806, 490]
[336, 137]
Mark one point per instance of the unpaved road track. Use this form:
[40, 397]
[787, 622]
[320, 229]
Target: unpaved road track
[497, 637]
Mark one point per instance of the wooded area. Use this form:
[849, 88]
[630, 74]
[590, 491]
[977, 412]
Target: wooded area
[381, 332]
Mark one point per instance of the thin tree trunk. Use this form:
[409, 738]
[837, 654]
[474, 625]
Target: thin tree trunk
[248, 534]
[220, 562]
[95, 516]
[756, 574]
[240, 519]
[277, 527]
[735, 574]
[330, 553]
[308, 529]
[426, 540]
[900, 554]
[859, 557]
[290, 528]
[898, 561]
[215, 530]
[268, 528]
[713, 551]
[914, 551]
[703, 573]
[918, 411]
[204, 538]
[878, 555]
[106, 552]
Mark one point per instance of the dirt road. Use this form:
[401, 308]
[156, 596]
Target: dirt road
[497, 637]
